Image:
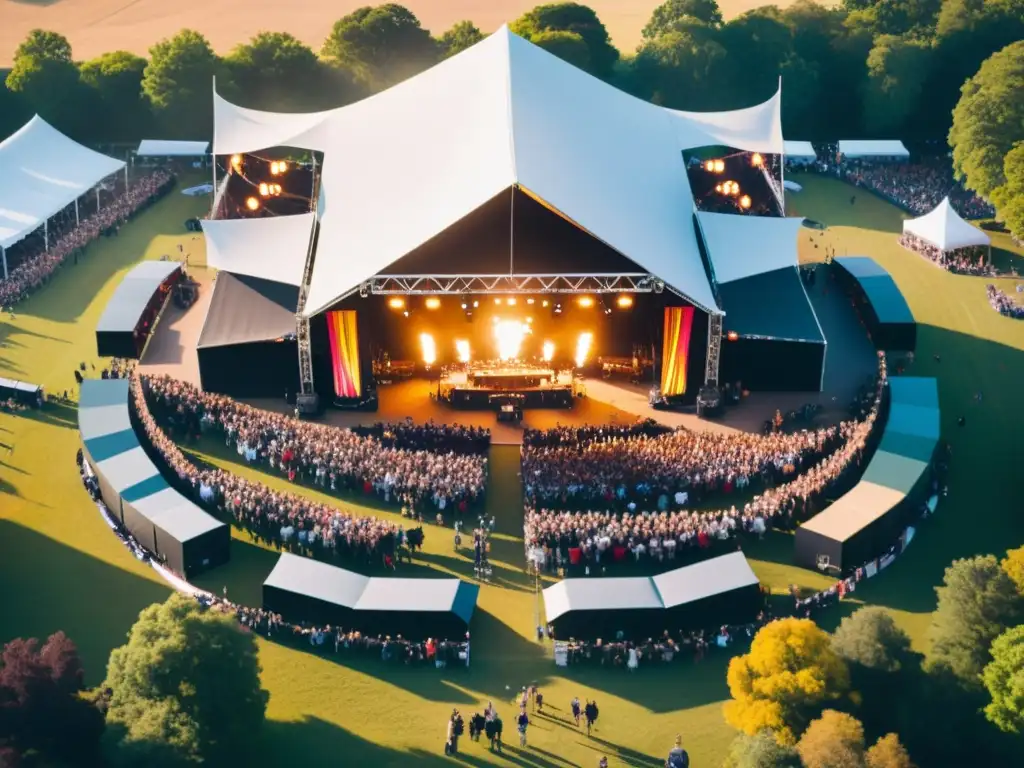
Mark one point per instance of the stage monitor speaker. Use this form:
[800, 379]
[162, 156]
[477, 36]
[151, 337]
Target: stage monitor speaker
[308, 405]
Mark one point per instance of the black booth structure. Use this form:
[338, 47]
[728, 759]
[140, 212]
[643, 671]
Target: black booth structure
[720, 590]
[247, 347]
[863, 523]
[22, 392]
[176, 531]
[881, 305]
[302, 589]
[772, 341]
[128, 319]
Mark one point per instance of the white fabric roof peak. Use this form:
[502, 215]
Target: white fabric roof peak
[272, 248]
[744, 246]
[945, 229]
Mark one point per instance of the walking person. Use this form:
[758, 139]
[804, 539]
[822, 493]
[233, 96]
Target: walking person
[522, 722]
[590, 713]
[449, 738]
[574, 705]
[539, 698]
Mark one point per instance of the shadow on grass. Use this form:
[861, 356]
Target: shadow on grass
[7, 330]
[49, 586]
[57, 414]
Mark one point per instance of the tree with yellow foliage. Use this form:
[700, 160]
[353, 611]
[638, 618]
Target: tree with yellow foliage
[1013, 565]
[790, 673]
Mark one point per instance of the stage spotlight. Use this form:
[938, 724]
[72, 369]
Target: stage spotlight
[465, 305]
[557, 309]
[264, 189]
[583, 348]
[745, 201]
[718, 188]
[476, 304]
[432, 302]
[709, 166]
[511, 301]
[497, 301]
[252, 204]
[719, 166]
[530, 300]
[396, 302]
[273, 168]
[406, 313]
[236, 161]
[756, 160]
[529, 321]
[544, 303]
[428, 348]
[282, 166]
[462, 350]
[586, 302]
[548, 351]
[732, 336]
[509, 335]
[624, 301]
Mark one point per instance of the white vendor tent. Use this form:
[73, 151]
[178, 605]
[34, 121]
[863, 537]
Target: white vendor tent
[744, 246]
[878, 149]
[272, 248]
[41, 172]
[943, 228]
[406, 164]
[799, 152]
[167, 148]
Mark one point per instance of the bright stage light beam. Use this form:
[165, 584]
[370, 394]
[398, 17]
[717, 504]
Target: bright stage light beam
[396, 303]
[586, 302]
[433, 302]
[624, 302]
[462, 350]
[548, 350]
[509, 335]
[252, 203]
[429, 348]
[583, 348]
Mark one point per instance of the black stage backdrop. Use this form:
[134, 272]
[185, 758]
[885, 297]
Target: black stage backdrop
[766, 365]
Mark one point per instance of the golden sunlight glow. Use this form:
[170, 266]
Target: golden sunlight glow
[252, 203]
[509, 335]
[462, 350]
[432, 302]
[586, 302]
[624, 301]
[396, 302]
[583, 348]
[429, 348]
[548, 351]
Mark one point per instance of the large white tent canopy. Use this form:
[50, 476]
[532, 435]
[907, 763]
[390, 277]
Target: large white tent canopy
[402, 166]
[799, 151]
[272, 248]
[744, 246]
[943, 228]
[169, 148]
[41, 172]
[854, 148]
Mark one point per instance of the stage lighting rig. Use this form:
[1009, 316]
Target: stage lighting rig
[396, 302]
[625, 301]
[432, 302]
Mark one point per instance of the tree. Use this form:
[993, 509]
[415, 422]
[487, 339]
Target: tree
[761, 750]
[52, 89]
[462, 35]
[790, 672]
[670, 13]
[897, 73]
[178, 82]
[1013, 563]
[43, 44]
[116, 80]
[1004, 680]
[566, 45]
[888, 752]
[187, 678]
[574, 18]
[835, 740]
[681, 69]
[382, 45]
[870, 638]
[42, 711]
[1009, 201]
[276, 72]
[758, 43]
[976, 603]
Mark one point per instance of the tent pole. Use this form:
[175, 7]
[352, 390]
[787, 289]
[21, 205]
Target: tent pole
[126, 163]
[97, 198]
[77, 221]
[213, 194]
[3, 256]
[312, 185]
[511, 233]
[46, 233]
[782, 179]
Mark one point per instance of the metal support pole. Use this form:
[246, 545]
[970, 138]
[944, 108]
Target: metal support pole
[77, 221]
[97, 199]
[46, 234]
[126, 170]
[714, 348]
[213, 194]
[3, 256]
[312, 186]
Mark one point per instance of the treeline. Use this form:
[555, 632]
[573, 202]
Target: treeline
[890, 68]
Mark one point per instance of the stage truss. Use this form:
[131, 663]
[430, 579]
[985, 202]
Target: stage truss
[503, 284]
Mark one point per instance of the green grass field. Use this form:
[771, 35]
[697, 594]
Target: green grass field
[62, 569]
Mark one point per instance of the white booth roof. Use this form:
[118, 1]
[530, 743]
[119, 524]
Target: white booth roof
[167, 148]
[41, 172]
[402, 166]
[744, 246]
[943, 228]
[802, 150]
[271, 248]
[876, 148]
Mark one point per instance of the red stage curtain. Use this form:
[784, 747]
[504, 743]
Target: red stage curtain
[678, 324]
[344, 338]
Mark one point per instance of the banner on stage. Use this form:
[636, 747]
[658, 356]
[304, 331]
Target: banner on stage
[678, 325]
[344, 339]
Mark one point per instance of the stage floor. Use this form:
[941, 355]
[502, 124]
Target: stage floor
[850, 359]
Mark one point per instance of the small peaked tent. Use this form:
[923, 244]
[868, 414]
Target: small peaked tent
[170, 148]
[800, 152]
[41, 172]
[945, 229]
[879, 149]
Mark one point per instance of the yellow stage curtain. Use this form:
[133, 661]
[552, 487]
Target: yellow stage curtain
[344, 337]
[678, 324]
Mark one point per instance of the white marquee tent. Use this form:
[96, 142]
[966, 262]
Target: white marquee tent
[943, 228]
[273, 248]
[41, 172]
[404, 165]
[744, 246]
[168, 148]
[801, 152]
[883, 148]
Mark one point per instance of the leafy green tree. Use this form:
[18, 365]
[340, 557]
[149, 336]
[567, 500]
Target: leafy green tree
[870, 638]
[977, 602]
[835, 740]
[178, 81]
[1013, 563]
[44, 44]
[888, 752]
[790, 672]
[672, 12]
[566, 45]
[42, 711]
[1009, 201]
[762, 750]
[52, 89]
[897, 73]
[681, 69]
[188, 678]
[462, 35]
[1004, 679]
[276, 72]
[116, 80]
[758, 43]
[581, 20]
[14, 112]
[382, 45]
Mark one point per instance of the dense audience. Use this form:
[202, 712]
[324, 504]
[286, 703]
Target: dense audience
[35, 270]
[604, 533]
[437, 438]
[325, 456]
[1003, 303]
[918, 187]
[962, 261]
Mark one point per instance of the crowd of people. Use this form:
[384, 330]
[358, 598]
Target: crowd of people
[287, 520]
[1003, 303]
[36, 269]
[437, 438]
[918, 187]
[420, 479]
[962, 261]
[560, 538]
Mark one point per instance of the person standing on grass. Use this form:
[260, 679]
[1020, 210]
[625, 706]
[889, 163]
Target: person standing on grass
[522, 722]
[590, 713]
[574, 705]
